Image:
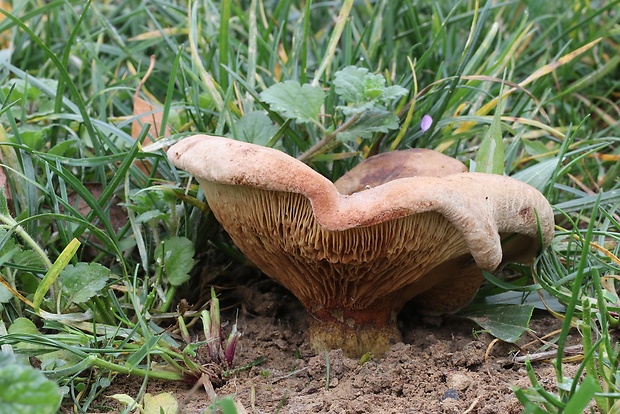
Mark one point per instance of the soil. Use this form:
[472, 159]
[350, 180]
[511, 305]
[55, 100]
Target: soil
[443, 365]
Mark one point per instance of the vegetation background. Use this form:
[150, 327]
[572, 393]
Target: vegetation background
[99, 234]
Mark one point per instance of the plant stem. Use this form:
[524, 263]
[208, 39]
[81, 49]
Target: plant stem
[122, 369]
[26, 237]
[327, 139]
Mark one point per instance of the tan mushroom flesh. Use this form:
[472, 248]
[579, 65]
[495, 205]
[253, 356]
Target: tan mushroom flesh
[354, 257]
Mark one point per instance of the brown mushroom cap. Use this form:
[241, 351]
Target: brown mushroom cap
[389, 166]
[354, 260]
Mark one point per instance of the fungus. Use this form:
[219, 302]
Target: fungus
[400, 226]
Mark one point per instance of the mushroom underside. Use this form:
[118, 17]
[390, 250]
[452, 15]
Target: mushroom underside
[352, 282]
[402, 225]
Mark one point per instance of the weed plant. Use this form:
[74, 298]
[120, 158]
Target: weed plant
[99, 234]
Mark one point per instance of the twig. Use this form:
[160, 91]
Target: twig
[328, 138]
[544, 355]
[472, 406]
[289, 375]
[208, 386]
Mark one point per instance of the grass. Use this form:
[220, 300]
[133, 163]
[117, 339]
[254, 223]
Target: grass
[68, 74]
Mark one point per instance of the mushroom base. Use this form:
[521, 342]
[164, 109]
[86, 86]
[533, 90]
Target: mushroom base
[354, 339]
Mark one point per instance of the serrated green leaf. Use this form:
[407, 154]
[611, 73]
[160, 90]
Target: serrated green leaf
[292, 100]
[27, 258]
[82, 281]
[393, 92]
[349, 84]
[178, 255]
[369, 122]
[506, 322]
[362, 90]
[255, 127]
[374, 85]
[490, 156]
[24, 390]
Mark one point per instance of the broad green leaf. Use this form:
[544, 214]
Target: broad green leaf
[152, 216]
[49, 360]
[255, 127]
[82, 281]
[24, 390]
[490, 156]
[32, 136]
[369, 122]
[23, 326]
[292, 100]
[506, 322]
[21, 89]
[533, 299]
[178, 255]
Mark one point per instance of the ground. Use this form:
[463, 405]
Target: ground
[443, 365]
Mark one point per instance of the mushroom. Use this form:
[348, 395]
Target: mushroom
[400, 226]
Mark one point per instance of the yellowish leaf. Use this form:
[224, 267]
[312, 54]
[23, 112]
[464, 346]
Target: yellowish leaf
[157, 34]
[161, 403]
[147, 113]
[127, 400]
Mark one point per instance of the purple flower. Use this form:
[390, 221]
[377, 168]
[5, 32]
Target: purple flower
[426, 122]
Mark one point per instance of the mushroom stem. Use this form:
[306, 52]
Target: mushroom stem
[355, 339]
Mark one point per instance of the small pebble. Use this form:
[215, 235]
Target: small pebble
[450, 393]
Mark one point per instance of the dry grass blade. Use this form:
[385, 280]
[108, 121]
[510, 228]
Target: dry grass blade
[539, 73]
